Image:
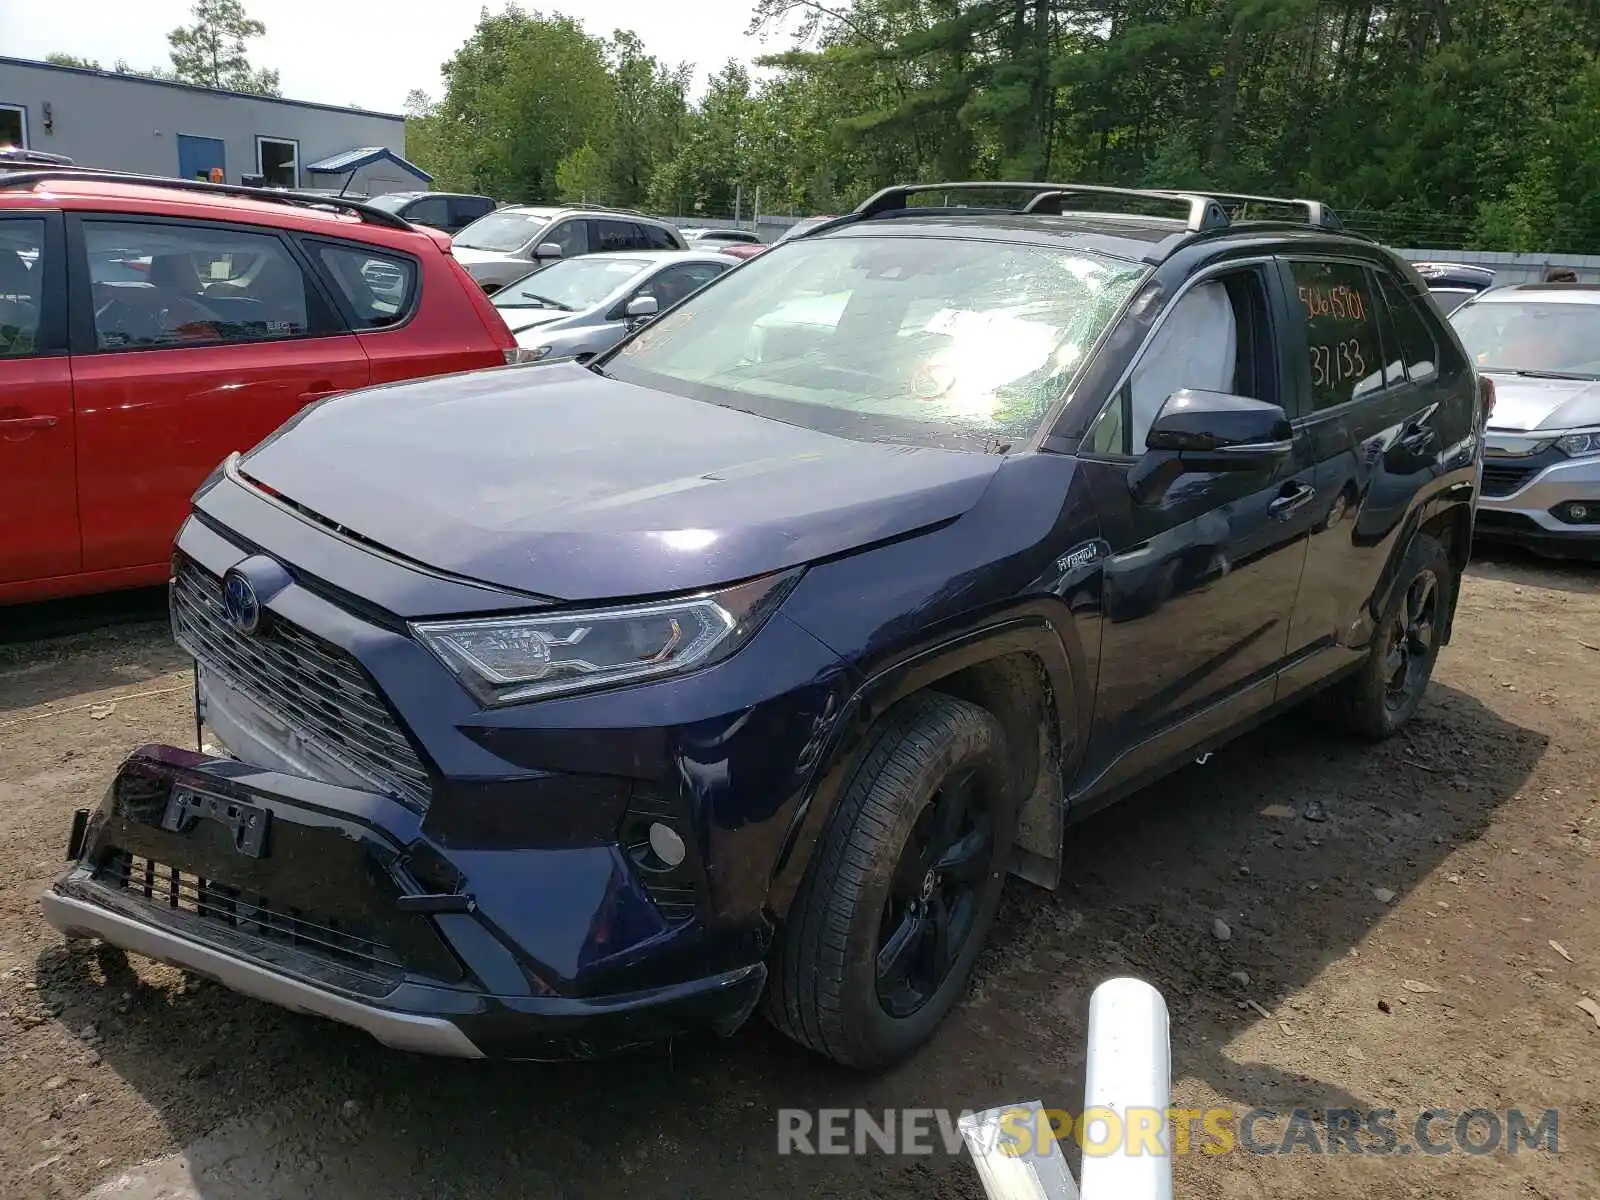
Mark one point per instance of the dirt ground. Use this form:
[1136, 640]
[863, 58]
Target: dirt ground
[1482, 820]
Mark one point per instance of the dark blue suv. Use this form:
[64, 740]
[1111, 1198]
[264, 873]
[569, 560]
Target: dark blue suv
[554, 708]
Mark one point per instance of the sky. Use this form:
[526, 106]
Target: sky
[369, 53]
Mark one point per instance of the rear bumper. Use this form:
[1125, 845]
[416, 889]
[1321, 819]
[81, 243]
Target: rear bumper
[326, 900]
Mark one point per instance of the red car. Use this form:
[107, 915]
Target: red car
[148, 328]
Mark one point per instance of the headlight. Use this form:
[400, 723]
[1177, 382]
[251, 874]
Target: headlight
[1577, 445]
[503, 660]
[526, 354]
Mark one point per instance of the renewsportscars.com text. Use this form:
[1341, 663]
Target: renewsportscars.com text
[1021, 1132]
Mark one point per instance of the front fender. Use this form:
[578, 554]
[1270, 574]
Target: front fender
[1029, 632]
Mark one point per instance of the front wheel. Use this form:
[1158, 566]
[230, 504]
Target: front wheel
[1385, 692]
[904, 885]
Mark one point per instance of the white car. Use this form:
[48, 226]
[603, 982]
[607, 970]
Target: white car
[582, 306]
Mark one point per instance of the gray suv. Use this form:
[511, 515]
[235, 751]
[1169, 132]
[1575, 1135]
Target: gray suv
[507, 243]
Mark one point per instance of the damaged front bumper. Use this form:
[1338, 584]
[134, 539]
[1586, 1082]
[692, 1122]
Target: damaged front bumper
[331, 901]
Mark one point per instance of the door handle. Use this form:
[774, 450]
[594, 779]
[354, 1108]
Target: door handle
[318, 391]
[40, 422]
[1418, 439]
[1294, 498]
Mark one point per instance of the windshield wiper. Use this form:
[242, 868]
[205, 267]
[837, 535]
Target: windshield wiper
[529, 300]
[1529, 373]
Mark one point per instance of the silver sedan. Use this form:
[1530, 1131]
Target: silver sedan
[578, 307]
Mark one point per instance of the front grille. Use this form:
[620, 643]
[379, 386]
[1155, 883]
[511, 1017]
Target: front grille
[315, 688]
[1501, 479]
[249, 924]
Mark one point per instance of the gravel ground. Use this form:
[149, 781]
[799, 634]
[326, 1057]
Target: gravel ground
[1390, 915]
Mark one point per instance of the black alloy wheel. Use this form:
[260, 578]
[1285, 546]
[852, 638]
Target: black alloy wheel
[935, 896]
[1409, 660]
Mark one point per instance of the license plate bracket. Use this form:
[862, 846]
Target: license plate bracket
[247, 822]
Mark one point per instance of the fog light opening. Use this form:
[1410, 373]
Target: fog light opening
[667, 845]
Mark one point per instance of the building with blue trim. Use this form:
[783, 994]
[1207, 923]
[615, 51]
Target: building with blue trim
[130, 123]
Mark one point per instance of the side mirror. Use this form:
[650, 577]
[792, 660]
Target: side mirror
[547, 250]
[642, 306]
[1224, 431]
[1201, 432]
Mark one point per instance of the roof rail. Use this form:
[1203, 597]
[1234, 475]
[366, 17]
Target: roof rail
[373, 216]
[1201, 212]
[20, 155]
[632, 212]
[1316, 212]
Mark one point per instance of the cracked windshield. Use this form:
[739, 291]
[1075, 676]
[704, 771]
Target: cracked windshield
[935, 336]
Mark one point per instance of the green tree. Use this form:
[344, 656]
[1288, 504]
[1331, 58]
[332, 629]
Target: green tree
[56, 58]
[583, 177]
[521, 94]
[212, 51]
[648, 116]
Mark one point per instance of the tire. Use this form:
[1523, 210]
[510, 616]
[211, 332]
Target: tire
[871, 900]
[1383, 694]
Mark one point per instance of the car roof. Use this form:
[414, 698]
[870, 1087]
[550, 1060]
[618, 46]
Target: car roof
[1543, 293]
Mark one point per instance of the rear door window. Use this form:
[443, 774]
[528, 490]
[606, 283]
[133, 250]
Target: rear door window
[154, 285]
[379, 289]
[1344, 345]
[618, 235]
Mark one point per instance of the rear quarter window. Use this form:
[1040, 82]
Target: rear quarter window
[1415, 344]
[378, 288]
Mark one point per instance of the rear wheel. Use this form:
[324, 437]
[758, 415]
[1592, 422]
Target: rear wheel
[1385, 692]
[904, 885]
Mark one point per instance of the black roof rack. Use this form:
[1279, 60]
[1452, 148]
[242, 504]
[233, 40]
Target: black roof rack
[1316, 212]
[374, 216]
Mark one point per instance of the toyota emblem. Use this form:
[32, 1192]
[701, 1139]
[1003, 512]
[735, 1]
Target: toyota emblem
[240, 603]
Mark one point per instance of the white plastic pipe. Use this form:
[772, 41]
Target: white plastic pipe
[1127, 1155]
[1127, 1143]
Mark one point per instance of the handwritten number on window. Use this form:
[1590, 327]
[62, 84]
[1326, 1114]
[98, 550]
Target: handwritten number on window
[1337, 363]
